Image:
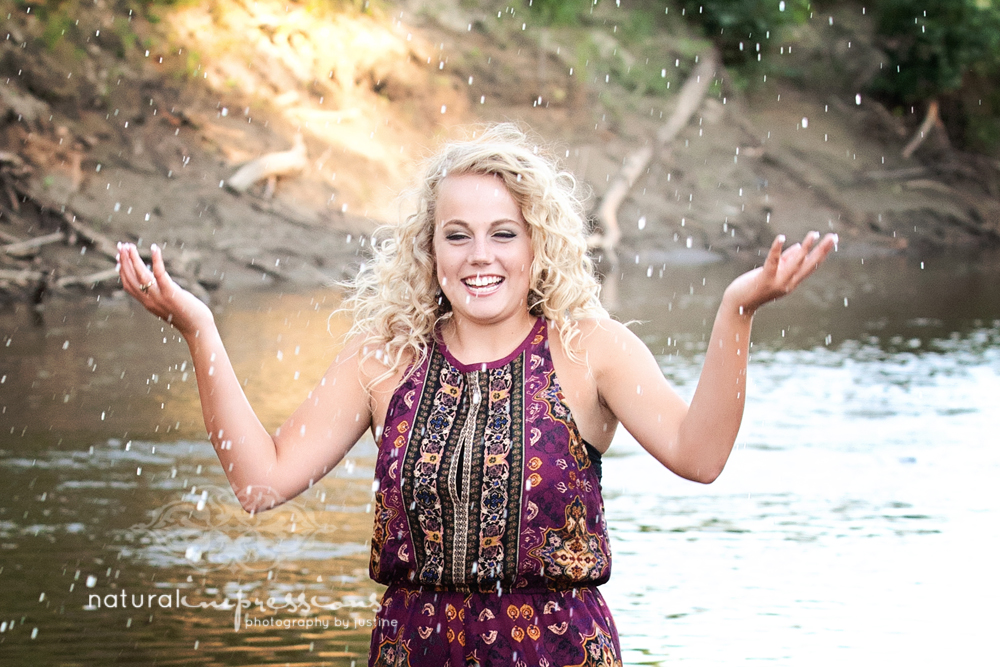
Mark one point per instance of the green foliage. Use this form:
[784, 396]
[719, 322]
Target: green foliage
[559, 12]
[56, 26]
[982, 133]
[934, 44]
[741, 29]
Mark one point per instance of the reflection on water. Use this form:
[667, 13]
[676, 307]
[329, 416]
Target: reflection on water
[853, 522]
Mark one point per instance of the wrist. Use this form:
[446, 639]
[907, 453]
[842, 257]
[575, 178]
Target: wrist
[736, 305]
[194, 330]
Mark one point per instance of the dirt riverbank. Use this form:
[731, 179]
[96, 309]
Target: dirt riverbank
[131, 124]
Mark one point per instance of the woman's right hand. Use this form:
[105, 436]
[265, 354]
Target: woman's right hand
[158, 293]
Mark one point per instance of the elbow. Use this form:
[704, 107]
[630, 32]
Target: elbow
[253, 508]
[700, 474]
[256, 500]
[705, 474]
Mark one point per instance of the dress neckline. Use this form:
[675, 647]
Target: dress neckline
[536, 329]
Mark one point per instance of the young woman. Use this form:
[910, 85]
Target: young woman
[493, 380]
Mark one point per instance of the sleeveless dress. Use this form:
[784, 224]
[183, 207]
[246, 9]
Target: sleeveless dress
[489, 521]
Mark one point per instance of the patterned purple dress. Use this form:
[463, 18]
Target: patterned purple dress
[489, 521]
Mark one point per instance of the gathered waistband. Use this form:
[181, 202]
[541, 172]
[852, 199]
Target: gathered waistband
[499, 591]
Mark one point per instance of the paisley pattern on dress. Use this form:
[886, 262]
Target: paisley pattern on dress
[571, 552]
[553, 397]
[561, 628]
[600, 650]
[383, 517]
[489, 522]
[391, 652]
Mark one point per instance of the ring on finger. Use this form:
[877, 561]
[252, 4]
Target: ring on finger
[145, 287]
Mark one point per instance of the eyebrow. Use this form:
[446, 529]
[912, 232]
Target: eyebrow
[501, 221]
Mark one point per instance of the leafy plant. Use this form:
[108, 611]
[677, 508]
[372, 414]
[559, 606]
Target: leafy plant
[933, 45]
[559, 12]
[741, 29]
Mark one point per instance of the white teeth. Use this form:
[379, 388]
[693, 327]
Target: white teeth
[482, 281]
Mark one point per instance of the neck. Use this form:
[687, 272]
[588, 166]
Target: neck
[474, 342]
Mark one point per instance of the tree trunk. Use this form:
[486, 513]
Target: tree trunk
[692, 93]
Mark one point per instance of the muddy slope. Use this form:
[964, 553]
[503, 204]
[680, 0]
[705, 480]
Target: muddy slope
[129, 125]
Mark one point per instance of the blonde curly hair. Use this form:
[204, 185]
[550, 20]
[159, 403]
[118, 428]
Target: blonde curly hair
[395, 300]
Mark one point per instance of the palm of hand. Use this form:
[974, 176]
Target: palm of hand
[781, 273]
[157, 291]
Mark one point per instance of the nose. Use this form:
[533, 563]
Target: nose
[482, 251]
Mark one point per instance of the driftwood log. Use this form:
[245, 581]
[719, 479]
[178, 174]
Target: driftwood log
[30, 248]
[688, 101]
[931, 120]
[269, 167]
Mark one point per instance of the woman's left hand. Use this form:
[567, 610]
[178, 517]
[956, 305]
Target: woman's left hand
[782, 272]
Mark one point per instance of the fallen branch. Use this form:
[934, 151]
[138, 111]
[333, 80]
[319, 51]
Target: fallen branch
[930, 120]
[929, 184]
[21, 277]
[268, 166]
[894, 174]
[692, 93]
[30, 247]
[88, 280]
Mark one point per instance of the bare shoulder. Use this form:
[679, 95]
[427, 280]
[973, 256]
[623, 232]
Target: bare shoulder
[604, 339]
[372, 363]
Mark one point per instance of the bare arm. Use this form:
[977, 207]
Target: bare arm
[263, 470]
[695, 441]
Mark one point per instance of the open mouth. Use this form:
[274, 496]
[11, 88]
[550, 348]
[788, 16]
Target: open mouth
[481, 285]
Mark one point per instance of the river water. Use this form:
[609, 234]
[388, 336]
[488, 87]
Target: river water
[857, 520]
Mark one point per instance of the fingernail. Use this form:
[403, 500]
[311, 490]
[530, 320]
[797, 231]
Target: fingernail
[154, 247]
[119, 245]
[781, 238]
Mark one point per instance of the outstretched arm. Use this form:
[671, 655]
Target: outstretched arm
[695, 441]
[264, 471]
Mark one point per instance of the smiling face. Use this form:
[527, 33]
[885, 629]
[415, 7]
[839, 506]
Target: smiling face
[482, 249]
